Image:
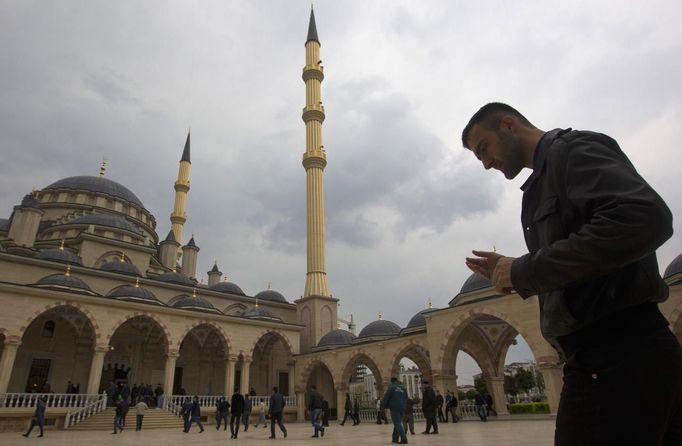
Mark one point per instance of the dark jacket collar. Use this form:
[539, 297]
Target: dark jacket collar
[541, 153]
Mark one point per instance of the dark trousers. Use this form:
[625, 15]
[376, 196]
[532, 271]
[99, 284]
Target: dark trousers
[452, 410]
[276, 417]
[118, 422]
[138, 422]
[381, 416]
[622, 390]
[221, 418]
[316, 419]
[185, 423]
[235, 420]
[408, 422]
[356, 417]
[245, 420]
[441, 415]
[398, 430]
[431, 422]
[482, 412]
[195, 420]
[325, 418]
[345, 415]
[35, 421]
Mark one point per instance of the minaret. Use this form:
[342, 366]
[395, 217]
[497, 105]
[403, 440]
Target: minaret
[314, 162]
[317, 309]
[179, 216]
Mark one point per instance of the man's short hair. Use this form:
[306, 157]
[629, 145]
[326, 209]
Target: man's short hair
[394, 379]
[489, 116]
[275, 389]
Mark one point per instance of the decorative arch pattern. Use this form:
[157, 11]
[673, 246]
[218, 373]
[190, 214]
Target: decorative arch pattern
[287, 343]
[221, 333]
[84, 311]
[159, 322]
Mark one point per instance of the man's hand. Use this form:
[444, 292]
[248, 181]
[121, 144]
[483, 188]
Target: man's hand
[495, 267]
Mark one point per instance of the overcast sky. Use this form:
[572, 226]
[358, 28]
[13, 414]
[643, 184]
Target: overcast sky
[86, 80]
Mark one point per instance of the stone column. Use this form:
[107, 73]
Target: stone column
[95, 375]
[300, 405]
[292, 378]
[244, 384]
[554, 380]
[230, 362]
[9, 353]
[497, 393]
[169, 373]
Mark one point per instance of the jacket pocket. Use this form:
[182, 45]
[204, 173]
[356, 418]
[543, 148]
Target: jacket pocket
[547, 221]
[556, 318]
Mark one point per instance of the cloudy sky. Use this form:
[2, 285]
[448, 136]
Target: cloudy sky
[86, 80]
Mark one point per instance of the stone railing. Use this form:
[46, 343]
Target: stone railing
[20, 400]
[86, 412]
[211, 401]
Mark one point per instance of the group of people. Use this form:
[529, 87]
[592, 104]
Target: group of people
[240, 408]
[150, 396]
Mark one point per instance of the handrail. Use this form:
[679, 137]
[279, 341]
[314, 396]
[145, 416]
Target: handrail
[20, 400]
[212, 400]
[86, 412]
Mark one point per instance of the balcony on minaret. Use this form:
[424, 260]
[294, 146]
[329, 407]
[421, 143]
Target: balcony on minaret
[313, 72]
[313, 113]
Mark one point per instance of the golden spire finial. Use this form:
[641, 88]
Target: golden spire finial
[225, 278]
[494, 249]
[122, 258]
[174, 269]
[201, 281]
[103, 167]
[137, 282]
[68, 271]
[380, 317]
[269, 285]
[61, 245]
[256, 302]
[194, 292]
[430, 304]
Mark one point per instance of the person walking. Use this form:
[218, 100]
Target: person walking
[276, 409]
[347, 410]
[118, 417]
[429, 408]
[481, 411]
[246, 415]
[38, 418]
[185, 413]
[439, 406]
[261, 415]
[356, 412]
[140, 408]
[395, 399]
[381, 411]
[236, 411]
[315, 407]
[325, 412]
[448, 400]
[221, 412]
[408, 416]
[452, 408]
[489, 405]
[195, 415]
[160, 397]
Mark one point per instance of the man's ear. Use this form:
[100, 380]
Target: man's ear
[508, 124]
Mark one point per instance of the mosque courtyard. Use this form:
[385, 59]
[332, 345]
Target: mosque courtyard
[531, 432]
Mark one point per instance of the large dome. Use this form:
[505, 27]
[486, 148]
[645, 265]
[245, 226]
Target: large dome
[65, 282]
[59, 255]
[674, 267]
[110, 220]
[260, 313]
[135, 294]
[228, 287]
[271, 295]
[194, 303]
[173, 277]
[336, 338]
[121, 268]
[418, 319]
[96, 184]
[475, 282]
[380, 328]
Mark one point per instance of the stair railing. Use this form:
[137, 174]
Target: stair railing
[73, 418]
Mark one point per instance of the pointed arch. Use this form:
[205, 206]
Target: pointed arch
[221, 334]
[281, 336]
[366, 358]
[309, 368]
[161, 325]
[417, 353]
[84, 311]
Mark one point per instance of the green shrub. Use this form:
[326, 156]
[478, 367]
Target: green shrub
[519, 408]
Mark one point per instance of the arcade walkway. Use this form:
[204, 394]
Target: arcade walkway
[469, 433]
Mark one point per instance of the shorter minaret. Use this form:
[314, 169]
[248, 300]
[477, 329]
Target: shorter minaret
[25, 221]
[168, 251]
[214, 275]
[179, 215]
[189, 259]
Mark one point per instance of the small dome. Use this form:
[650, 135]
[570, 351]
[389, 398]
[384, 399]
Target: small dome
[30, 201]
[186, 302]
[96, 184]
[4, 224]
[674, 267]
[271, 295]
[121, 268]
[336, 338]
[260, 313]
[65, 282]
[60, 255]
[228, 287]
[418, 319]
[475, 282]
[135, 294]
[380, 328]
[173, 277]
[110, 220]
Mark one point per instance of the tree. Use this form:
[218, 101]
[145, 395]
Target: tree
[510, 387]
[471, 394]
[525, 380]
[480, 385]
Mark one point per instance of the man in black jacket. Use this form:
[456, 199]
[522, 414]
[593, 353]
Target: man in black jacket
[315, 406]
[429, 408]
[236, 411]
[347, 410]
[276, 411]
[592, 226]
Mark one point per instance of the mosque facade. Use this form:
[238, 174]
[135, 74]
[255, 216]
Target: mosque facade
[91, 294]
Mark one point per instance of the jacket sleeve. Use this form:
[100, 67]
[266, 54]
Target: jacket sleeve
[625, 220]
[387, 396]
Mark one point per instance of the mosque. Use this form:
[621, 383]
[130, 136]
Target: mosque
[91, 294]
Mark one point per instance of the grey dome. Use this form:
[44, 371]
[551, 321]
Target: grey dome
[60, 255]
[418, 319]
[259, 313]
[62, 281]
[4, 224]
[30, 201]
[121, 268]
[380, 328]
[135, 294]
[186, 302]
[228, 287]
[475, 282]
[96, 184]
[110, 220]
[271, 295]
[336, 338]
[173, 277]
[674, 267]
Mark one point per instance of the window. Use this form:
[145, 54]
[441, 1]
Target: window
[48, 329]
[37, 376]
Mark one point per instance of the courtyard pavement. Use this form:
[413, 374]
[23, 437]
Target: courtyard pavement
[468, 433]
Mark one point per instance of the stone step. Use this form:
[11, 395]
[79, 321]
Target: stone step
[153, 419]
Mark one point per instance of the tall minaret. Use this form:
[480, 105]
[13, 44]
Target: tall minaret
[314, 161]
[317, 309]
[179, 216]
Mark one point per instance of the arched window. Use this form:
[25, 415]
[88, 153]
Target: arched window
[48, 329]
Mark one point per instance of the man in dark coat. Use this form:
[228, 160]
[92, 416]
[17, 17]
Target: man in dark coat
[276, 410]
[479, 401]
[395, 400]
[356, 412]
[347, 410]
[196, 414]
[236, 411]
[315, 408]
[408, 417]
[439, 405]
[38, 418]
[325, 412]
[221, 412]
[185, 413]
[429, 408]
[248, 404]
